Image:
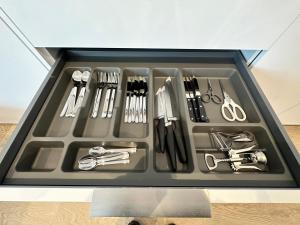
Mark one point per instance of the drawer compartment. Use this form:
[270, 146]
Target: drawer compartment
[232, 84]
[40, 157]
[131, 130]
[47, 147]
[205, 144]
[76, 150]
[87, 126]
[50, 123]
[162, 164]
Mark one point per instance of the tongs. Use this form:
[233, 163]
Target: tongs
[99, 150]
[90, 162]
[224, 141]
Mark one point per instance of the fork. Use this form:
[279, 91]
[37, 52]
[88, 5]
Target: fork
[101, 83]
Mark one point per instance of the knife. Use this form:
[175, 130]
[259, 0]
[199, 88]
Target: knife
[189, 95]
[191, 101]
[168, 117]
[160, 117]
[172, 97]
[201, 110]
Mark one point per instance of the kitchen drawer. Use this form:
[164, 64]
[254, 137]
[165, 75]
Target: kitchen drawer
[44, 150]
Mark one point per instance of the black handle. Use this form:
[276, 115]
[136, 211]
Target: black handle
[179, 141]
[196, 110]
[191, 109]
[171, 147]
[202, 110]
[161, 134]
[156, 136]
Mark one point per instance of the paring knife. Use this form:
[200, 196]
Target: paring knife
[160, 116]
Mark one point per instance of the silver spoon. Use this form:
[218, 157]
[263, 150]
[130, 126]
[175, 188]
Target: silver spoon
[84, 79]
[76, 76]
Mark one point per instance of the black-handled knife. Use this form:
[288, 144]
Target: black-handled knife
[161, 134]
[174, 116]
[202, 112]
[179, 138]
[189, 98]
[191, 88]
[171, 147]
[160, 118]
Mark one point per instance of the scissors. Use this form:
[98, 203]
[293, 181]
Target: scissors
[231, 108]
[209, 95]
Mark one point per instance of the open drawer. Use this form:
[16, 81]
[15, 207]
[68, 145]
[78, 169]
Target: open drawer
[45, 149]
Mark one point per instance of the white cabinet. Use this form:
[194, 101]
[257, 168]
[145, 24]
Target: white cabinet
[278, 74]
[21, 75]
[197, 24]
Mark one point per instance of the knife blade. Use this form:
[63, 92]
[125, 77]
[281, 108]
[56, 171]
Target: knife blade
[168, 104]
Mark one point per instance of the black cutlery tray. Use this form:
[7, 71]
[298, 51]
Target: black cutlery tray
[45, 149]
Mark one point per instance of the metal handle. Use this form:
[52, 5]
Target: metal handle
[125, 161]
[215, 165]
[109, 158]
[136, 109]
[144, 109]
[97, 103]
[111, 103]
[215, 161]
[127, 108]
[206, 97]
[79, 101]
[101, 150]
[243, 150]
[71, 102]
[64, 110]
[106, 103]
[131, 109]
[141, 109]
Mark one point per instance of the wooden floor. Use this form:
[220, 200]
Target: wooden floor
[32, 213]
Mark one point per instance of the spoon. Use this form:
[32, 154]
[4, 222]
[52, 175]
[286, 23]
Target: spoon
[76, 77]
[84, 79]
